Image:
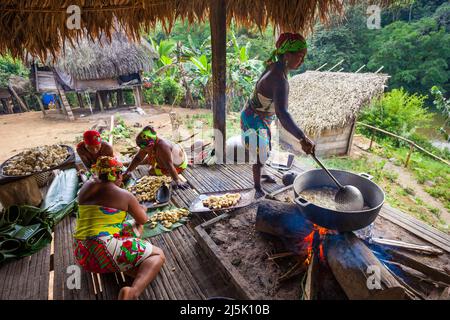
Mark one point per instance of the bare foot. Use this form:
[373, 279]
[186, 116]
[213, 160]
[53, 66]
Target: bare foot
[259, 193]
[127, 293]
[268, 178]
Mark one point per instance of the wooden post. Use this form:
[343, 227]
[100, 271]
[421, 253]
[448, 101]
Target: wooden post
[141, 95]
[119, 97]
[110, 99]
[350, 138]
[10, 105]
[41, 105]
[58, 105]
[111, 136]
[218, 25]
[104, 99]
[80, 100]
[98, 99]
[411, 149]
[5, 106]
[137, 97]
[372, 136]
[22, 104]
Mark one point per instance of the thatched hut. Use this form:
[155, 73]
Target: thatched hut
[37, 27]
[12, 93]
[326, 105]
[102, 66]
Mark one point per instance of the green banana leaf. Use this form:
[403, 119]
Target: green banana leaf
[159, 229]
[24, 230]
[62, 191]
[4, 256]
[10, 246]
[24, 213]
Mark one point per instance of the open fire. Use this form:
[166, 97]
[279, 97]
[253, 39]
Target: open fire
[314, 243]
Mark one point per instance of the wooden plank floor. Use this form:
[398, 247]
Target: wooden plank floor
[187, 273]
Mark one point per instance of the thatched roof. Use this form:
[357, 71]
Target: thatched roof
[105, 59]
[39, 26]
[327, 100]
[20, 84]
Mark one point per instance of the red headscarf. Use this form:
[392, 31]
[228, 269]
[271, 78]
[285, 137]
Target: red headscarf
[92, 138]
[288, 36]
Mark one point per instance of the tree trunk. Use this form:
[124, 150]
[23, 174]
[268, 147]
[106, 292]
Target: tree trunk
[282, 219]
[360, 274]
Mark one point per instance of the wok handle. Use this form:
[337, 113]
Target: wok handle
[302, 202]
[340, 186]
[366, 175]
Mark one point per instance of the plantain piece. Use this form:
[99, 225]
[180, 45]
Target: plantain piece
[147, 187]
[223, 201]
[168, 217]
[35, 160]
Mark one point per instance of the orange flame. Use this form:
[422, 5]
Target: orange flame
[309, 239]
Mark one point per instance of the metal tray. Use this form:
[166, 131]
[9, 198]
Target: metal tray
[279, 166]
[247, 198]
[155, 204]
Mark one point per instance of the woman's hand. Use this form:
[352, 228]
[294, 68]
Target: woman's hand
[179, 185]
[308, 146]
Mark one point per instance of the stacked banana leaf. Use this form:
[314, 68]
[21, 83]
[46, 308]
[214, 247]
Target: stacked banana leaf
[25, 230]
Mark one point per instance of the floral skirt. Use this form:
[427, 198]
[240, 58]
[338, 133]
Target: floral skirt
[256, 135]
[120, 252]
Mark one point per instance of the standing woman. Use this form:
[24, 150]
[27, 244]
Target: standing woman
[270, 100]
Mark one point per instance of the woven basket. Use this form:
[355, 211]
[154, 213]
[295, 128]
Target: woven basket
[43, 178]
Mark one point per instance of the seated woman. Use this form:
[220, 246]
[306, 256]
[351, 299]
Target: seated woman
[164, 156]
[104, 242]
[92, 147]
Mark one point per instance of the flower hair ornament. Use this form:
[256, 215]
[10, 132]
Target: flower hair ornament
[107, 165]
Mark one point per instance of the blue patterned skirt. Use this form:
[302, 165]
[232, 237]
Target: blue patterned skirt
[256, 135]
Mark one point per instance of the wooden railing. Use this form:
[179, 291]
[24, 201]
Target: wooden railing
[412, 144]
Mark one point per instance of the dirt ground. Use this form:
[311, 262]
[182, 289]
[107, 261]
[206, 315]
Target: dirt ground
[404, 179]
[247, 250]
[25, 130]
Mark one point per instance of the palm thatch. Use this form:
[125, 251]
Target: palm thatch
[20, 84]
[39, 26]
[105, 58]
[328, 100]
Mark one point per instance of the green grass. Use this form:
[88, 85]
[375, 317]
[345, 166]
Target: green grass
[425, 169]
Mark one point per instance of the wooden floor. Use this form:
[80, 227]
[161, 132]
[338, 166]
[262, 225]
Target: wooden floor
[187, 273]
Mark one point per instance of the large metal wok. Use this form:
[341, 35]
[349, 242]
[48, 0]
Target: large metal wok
[337, 220]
